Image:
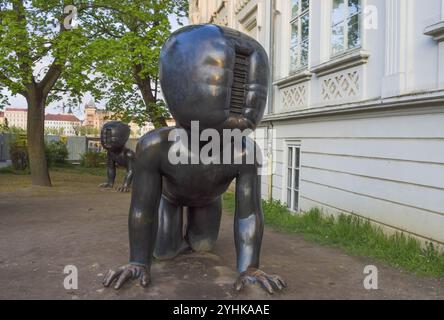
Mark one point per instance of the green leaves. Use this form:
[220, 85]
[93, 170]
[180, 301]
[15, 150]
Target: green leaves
[127, 53]
[112, 54]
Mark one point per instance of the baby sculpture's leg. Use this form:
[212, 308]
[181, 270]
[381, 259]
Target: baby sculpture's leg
[169, 241]
[203, 226]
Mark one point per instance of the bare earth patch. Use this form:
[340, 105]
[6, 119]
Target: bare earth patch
[42, 230]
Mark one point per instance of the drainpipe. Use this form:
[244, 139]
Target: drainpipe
[271, 100]
[271, 55]
[270, 160]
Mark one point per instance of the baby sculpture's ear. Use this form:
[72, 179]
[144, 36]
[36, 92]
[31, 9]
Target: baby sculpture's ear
[251, 77]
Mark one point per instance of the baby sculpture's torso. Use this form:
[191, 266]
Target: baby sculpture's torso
[189, 184]
[121, 157]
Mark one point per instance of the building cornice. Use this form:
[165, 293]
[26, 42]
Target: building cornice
[436, 31]
[429, 99]
[293, 79]
[345, 61]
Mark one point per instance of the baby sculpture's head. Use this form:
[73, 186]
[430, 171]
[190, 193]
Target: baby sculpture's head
[214, 75]
[114, 135]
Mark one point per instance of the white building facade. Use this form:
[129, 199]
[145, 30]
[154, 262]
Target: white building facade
[356, 111]
[64, 124]
[17, 117]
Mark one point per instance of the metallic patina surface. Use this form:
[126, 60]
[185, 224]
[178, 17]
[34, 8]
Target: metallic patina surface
[219, 77]
[113, 137]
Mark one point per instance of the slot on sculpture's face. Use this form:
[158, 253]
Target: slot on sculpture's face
[114, 135]
[214, 75]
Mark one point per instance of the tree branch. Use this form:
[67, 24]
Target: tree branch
[51, 77]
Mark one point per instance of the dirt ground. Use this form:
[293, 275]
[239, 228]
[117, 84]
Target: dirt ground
[42, 231]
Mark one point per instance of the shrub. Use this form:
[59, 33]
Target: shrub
[93, 159]
[17, 141]
[19, 157]
[56, 153]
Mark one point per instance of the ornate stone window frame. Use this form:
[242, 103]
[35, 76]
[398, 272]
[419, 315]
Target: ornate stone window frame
[293, 79]
[346, 60]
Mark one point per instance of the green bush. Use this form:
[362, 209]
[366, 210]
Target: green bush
[19, 157]
[354, 235]
[93, 159]
[56, 153]
[17, 141]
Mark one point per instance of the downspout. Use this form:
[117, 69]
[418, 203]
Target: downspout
[271, 55]
[270, 160]
[270, 102]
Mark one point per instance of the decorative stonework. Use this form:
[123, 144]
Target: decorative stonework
[194, 12]
[240, 4]
[220, 20]
[294, 97]
[342, 62]
[220, 16]
[341, 86]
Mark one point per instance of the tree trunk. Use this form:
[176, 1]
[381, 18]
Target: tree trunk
[144, 85]
[148, 98]
[36, 139]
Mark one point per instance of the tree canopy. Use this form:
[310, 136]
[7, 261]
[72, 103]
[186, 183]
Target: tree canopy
[112, 53]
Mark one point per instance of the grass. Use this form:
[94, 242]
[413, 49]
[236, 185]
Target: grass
[10, 170]
[67, 168]
[355, 236]
[70, 168]
[65, 179]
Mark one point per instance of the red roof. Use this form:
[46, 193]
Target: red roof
[17, 109]
[61, 117]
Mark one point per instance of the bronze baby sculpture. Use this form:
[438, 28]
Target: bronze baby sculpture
[218, 77]
[113, 137]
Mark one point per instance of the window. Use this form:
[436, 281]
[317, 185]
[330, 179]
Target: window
[300, 26]
[345, 25]
[293, 170]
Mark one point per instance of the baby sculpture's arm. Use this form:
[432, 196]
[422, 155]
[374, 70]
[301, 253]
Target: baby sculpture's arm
[143, 216]
[110, 172]
[130, 160]
[248, 230]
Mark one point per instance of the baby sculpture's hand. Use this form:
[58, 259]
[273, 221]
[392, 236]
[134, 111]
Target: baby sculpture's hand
[253, 275]
[125, 273]
[106, 185]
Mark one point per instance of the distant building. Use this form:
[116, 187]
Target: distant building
[62, 123]
[17, 117]
[2, 117]
[95, 117]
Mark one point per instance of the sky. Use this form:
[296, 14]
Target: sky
[19, 101]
